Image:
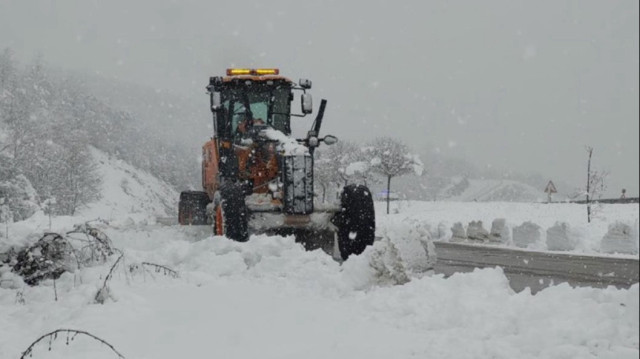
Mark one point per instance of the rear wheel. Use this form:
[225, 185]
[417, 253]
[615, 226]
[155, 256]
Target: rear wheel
[356, 222]
[231, 215]
[192, 208]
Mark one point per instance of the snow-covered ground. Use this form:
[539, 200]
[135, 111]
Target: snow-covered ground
[268, 298]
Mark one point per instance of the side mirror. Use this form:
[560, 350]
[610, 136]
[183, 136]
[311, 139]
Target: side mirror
[307, 103]
[305, 84]
[216, 102]
[330, 140]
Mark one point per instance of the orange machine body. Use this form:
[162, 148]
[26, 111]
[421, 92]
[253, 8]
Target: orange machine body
[258, 164]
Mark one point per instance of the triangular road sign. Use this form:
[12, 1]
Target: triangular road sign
[551, 188]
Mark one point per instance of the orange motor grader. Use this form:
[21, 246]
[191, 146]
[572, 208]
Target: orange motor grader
[256, 178]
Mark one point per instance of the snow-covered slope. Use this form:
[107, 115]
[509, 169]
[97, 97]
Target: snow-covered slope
[488, 190]
[460, 188]
[128, 196]
[128, 191]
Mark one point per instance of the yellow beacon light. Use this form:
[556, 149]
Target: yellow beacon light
[254, 72]
[267, 71]
[235, 72]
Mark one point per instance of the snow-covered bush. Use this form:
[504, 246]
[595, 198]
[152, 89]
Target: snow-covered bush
[476, 232]
[526, 234]
[620, 238]
[500, 231]
[95, 248]
[19, 196]
[48, 258]
[54, 254]
[458, 233]
[560, 237]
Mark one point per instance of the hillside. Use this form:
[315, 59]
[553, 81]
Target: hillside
[491, 190]
[128, 196]
[128, 191]
[462, 189]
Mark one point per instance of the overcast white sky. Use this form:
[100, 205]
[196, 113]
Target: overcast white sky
[520, 85]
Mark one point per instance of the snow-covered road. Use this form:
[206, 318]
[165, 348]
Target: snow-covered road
[538, 269]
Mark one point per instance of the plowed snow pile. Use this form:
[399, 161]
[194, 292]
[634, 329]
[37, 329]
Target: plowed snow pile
[268, 298]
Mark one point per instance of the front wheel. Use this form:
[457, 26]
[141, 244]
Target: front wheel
[356, 221]
[231, 215]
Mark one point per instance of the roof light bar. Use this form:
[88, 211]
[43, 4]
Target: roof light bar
[267, 71]
[254, 72]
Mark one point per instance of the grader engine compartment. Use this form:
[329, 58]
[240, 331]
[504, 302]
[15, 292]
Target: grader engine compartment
[297, 179]
[257, 178]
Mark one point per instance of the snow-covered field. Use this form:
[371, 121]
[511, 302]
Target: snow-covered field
[268, 298]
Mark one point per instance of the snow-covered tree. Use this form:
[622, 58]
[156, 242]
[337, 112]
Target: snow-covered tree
[324, 172]
[595, 184]
[80, 183]
[391, 158]
[19, 197]
[341, 164]
[6, 216]
[43, 141]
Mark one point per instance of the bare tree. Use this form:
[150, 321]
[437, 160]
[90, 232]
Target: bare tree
[390, 158]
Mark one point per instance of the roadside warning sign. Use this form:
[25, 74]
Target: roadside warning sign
[551, 188]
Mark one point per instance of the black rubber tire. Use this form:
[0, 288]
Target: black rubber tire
[235, 213]
[356, 222]
[192, 208]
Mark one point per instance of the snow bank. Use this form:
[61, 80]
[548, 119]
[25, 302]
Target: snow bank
[289, 303]
[403, 252]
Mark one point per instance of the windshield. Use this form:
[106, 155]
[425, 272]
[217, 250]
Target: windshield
[264, 104]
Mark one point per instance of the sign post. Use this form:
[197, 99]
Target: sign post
[551, 188]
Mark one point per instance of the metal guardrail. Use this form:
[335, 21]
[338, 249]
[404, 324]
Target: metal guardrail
[610, 200]
[538, 270]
